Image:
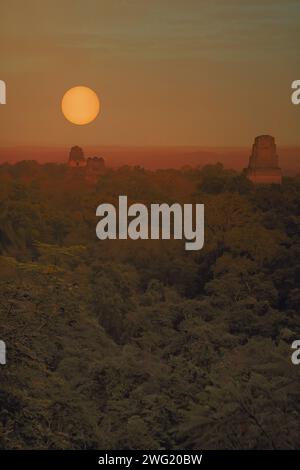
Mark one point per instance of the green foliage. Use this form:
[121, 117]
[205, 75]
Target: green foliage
[142, 345]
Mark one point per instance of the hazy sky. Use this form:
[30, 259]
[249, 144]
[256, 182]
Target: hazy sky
[168, 72]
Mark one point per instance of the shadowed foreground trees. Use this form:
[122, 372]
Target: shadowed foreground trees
[142, 345]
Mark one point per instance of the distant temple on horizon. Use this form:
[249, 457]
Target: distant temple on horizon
[263, 163]
[91, 168]
[76, 158]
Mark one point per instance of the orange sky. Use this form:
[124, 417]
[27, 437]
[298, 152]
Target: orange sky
[168, 72]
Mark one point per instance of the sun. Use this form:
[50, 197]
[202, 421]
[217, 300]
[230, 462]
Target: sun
[80, 105]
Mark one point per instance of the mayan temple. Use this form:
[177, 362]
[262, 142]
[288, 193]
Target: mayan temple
[95, 167]
[263, 163]
[91, 168]
[76, 157]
